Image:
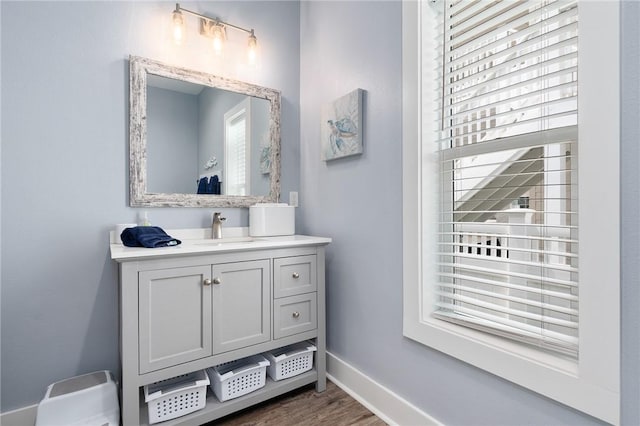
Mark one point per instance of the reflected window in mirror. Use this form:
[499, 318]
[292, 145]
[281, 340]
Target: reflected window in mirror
[236, 152]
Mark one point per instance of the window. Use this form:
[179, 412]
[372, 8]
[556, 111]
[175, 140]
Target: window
[504, 108]
[237, 150]
[508, 127]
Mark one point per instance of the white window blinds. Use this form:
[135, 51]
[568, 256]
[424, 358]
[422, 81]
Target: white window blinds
[236, 154]
[507, 147]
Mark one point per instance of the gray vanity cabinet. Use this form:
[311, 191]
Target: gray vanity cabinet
[189, 311]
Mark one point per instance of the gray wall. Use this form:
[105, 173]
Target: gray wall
[172, 132]
[357, 201]
[65, 166]
[630, 206]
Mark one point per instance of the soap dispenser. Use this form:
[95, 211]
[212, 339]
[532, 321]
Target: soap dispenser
[143, 219]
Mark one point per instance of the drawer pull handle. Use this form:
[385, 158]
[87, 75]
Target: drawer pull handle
[217, 280]
[296, 314]
[295, 275]
[207, 281]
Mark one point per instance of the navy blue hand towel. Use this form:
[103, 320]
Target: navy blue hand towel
[147, 236]
[213, 181]
[215, 185]
[202, 185]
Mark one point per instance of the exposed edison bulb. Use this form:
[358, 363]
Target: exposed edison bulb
[178, 27]
[253, 48]
[218, 38]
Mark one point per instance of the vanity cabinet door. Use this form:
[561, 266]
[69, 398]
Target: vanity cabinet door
[174, 316]
[241, 304]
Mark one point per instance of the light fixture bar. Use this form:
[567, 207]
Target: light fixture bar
[214, 20]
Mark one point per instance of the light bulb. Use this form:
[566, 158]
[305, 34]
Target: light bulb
[218, 38]
[178, 26]
[253, 47]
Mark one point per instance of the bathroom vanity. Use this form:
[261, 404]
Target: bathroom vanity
[206, 302]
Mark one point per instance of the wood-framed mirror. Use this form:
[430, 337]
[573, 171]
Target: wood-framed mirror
[200, 140]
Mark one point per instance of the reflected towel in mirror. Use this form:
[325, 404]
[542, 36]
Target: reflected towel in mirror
[203, 184]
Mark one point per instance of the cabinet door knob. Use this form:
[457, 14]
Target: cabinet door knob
[217, 280]
[207, 281]
[296, 314]
[295, 275]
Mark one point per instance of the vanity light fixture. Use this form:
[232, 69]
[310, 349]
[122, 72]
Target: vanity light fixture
[212, 28]
[178, 26]
[253, 47]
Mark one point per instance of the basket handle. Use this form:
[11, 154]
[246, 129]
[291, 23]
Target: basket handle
[244, 368]
[295, 352]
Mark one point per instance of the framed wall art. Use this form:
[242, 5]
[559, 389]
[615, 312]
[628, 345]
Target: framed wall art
[341, 127]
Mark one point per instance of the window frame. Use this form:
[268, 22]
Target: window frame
[592, 383]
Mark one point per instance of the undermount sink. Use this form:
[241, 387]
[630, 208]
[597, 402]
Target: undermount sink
[217, 241]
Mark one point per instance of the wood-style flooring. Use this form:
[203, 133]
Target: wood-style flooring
[305, 407]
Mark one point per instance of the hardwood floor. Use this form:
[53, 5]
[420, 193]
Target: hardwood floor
[305, 407]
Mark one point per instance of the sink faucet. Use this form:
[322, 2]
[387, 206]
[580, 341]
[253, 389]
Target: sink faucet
[216, 225]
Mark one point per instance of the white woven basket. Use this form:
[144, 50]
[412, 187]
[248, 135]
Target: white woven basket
[175, 397]
[234, 379]
[290, 361]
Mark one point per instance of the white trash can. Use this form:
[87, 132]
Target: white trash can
[90, 399]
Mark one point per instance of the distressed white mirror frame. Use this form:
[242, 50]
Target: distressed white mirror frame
[139, 69]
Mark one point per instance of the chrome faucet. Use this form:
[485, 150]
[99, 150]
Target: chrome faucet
[216, 225]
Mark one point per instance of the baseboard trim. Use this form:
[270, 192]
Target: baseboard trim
[25, 416]
[388, 406]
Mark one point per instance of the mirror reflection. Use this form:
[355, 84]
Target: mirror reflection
[205, 140]
[200, 140]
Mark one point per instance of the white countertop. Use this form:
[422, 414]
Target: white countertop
[197, 241]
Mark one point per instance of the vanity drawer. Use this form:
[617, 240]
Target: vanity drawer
[294, 275]
[293, 315]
